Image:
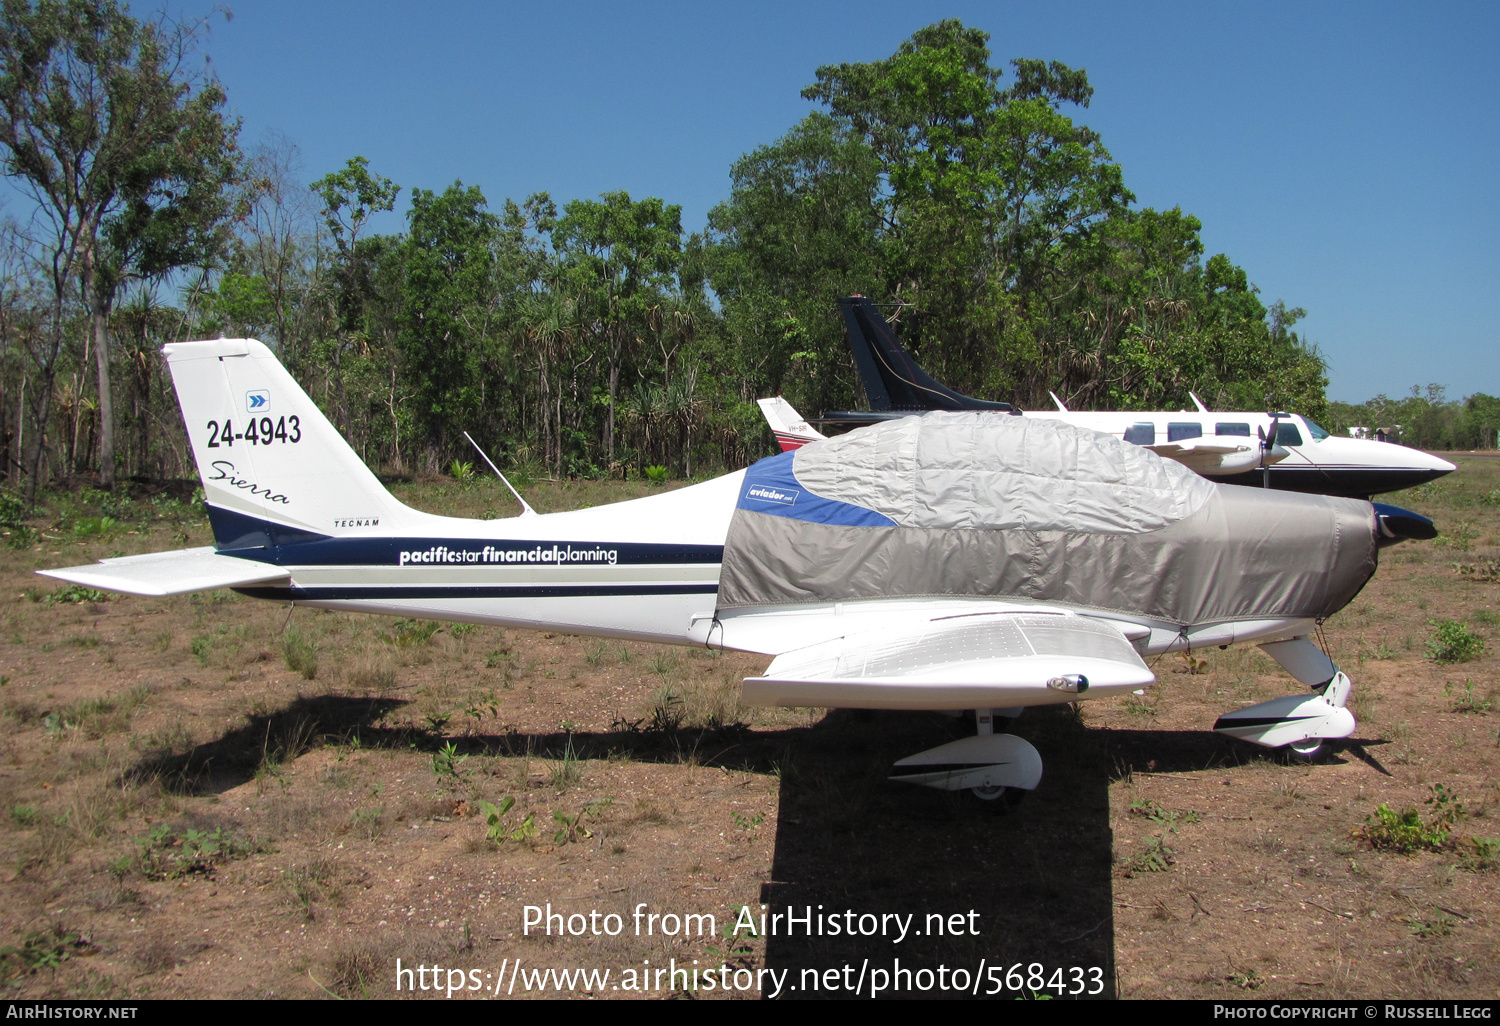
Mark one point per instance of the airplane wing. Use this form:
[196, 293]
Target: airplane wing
[967, 661]
[1212, 458]
[171, 573]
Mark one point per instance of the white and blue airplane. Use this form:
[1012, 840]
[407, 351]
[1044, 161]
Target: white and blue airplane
[1273, 450]
[957, 581]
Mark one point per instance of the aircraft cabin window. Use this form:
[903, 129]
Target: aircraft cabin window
[1287, 434]
[1317, 432]
[1141, 434]
[1178, 432]
[1243, 430]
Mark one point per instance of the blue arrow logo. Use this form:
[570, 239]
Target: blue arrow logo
[256, 401]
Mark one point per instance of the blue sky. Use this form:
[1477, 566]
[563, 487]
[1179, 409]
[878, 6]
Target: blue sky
[1344, 154]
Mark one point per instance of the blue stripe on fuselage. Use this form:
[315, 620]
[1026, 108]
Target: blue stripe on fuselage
[246, 537]
[463, 591]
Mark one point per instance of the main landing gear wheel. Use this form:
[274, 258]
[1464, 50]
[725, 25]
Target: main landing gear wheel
[1307, 750]
[1010, 797]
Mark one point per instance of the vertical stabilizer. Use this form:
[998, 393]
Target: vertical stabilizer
[268, 458]
[891, 378]
[789, 427]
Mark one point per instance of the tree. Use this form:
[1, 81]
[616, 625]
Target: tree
[124, 147]
[450, 303]
[802, 227]
[270, 264]
[350, 198]
[975, 209]
[998, 232]
[622, 255]
[994, 197]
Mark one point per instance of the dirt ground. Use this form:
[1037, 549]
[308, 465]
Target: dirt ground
[205, 796]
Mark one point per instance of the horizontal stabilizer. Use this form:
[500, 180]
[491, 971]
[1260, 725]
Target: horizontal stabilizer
[961, 662]
[170, 573]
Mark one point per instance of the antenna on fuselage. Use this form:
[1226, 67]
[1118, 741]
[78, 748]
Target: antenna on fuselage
[526, 510]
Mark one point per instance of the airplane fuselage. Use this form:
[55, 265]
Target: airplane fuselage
[1314, 461]
[1317, 462]
[1223, 446]
[641, 569]
[646, 569]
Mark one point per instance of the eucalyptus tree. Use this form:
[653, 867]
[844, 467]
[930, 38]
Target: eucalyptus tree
[26, 344]
[451, 306]
[272, 260]
[547, 322]
[621, 256]
[122, 141]
[999, 233]
[539, 330]
[803, 226]
[351, 196]
[992, 195]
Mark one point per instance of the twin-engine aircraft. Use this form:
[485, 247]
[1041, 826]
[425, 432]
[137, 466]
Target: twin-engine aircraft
[954, 561]
[1273, 450]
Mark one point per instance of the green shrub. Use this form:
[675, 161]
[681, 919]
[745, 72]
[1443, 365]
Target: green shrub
[1401, 831]
[1452, 642]
[1153, 857]
[497, 830]
[409, 633]
[75, 593]
[89, 526]
[165, 854]
[1407, 831]
[18, 534]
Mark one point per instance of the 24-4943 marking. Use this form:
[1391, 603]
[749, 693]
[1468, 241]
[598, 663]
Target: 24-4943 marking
[257, 432]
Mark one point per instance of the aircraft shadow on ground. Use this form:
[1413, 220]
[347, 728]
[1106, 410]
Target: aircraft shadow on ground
[306, 723]
[1037, 876]
[234, 757]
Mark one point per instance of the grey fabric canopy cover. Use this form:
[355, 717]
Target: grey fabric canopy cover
[988, 505]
